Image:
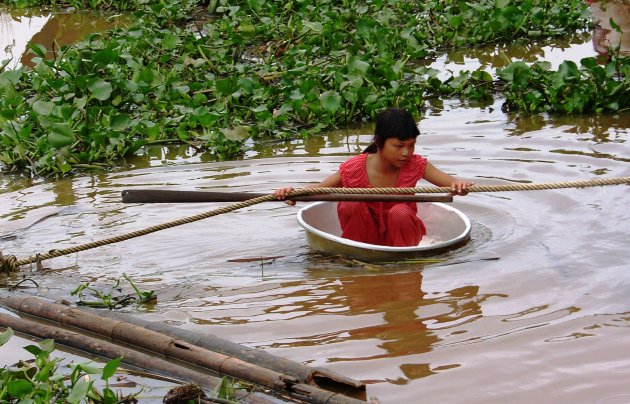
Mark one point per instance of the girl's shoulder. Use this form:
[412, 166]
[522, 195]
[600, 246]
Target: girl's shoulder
[354, 172]
[355, 162]
[413, 171]
[417, 159]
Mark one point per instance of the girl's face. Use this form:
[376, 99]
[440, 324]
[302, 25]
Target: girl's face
[398, 152]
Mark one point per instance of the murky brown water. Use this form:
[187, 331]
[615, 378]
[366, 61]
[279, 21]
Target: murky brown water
[52, 30]
[549, 319]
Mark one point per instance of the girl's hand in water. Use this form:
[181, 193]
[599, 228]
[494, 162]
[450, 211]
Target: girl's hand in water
[282, 193]
[460, 187]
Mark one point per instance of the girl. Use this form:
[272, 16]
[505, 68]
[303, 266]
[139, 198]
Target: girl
[389, 161]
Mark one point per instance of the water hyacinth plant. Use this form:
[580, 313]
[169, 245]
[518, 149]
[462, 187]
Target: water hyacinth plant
[253, 69]
[589, 87]
[114, 297]
[41, 380]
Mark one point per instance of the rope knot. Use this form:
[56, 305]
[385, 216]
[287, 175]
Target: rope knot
[8, 264]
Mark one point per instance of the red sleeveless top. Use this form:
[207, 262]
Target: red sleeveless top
[354, 172]
[370, 223]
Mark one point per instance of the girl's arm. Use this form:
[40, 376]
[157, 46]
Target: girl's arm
[333, 181]
[441, 179]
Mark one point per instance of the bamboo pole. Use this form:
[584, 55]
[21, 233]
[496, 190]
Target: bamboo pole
[130, 357]
[181, 350]
[306, 374]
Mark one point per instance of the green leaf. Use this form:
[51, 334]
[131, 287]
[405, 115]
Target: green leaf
[224, 86]
[80, 102]
[10, 76]
[41, 358]
[63, 166]
[357, 65]
[330, 101]
[61, 135]
[351, 97]
[6, 336]
[120, 122]
[364, 26]
[614, 25]
[90, 368]
[478, 7]
[100, 89]
[38, 49]
[611, 69]
[247, 29]
[44, 374]
[247, 84]
[19, 388]
[170, 41]
[613, 106]
[256, 5]
[296, 94]
[43, 107]
[79, 289]
[239, 133]
[517, 72]
[47, 345]
[313, 26]
[110, 368]
[589, 62]
[79, 390]
[455, 21]
[33, 349]
[109, 397]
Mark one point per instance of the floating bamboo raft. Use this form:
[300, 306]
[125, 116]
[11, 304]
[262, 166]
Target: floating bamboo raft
[153, 347]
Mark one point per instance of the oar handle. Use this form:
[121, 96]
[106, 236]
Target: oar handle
[170, 196]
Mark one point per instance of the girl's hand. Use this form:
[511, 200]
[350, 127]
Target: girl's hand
[460, 187]
[282, 193]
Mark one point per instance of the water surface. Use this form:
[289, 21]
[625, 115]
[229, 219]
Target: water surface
[549, 318]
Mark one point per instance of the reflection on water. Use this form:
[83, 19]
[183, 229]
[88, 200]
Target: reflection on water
[554, 50]
[500, 55]
[401, 302]
[18, 28]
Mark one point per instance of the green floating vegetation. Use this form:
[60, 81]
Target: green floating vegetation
[572, 89]
[114, 298]
[41, 381]
[255, 69]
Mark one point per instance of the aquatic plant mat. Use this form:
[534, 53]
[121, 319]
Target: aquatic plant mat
[263, 70]
[180, 354]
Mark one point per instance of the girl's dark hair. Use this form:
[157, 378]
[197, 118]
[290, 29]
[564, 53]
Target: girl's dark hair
[392, 122]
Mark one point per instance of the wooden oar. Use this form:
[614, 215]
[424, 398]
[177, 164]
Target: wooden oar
[170, 196]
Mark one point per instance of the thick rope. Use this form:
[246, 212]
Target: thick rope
[473, 188]
[10, 263]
